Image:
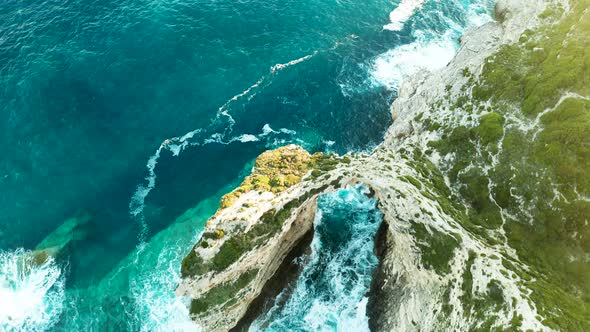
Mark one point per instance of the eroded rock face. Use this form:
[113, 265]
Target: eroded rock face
[227, 294]
[451, 180]
[246, 241]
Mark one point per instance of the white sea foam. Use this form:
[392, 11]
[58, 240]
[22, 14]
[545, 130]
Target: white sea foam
[266, 129]
[224, 109]
[281, 66]
[287, 131]
[393, 67]
[137, 203]
[31, 295]
[138, 198]
[158, 308]
[430, 51]
[478, 13]
[402, 13]
[247, 138]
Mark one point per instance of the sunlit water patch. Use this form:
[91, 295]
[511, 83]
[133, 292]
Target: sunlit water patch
[331, 293]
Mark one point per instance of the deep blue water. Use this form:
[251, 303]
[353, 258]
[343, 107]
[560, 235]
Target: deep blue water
[96, 99]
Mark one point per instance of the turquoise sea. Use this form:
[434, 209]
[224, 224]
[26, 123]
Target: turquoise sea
[122, 123]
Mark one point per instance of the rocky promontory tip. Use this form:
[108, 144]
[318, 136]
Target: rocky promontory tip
[256, 227]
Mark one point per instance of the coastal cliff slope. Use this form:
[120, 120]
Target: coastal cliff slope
[482, 180]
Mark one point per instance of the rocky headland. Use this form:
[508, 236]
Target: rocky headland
[482, 180]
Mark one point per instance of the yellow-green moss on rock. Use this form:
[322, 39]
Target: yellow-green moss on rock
[277, 170]
[274, 171]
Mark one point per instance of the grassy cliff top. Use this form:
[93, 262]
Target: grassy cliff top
[522, 165]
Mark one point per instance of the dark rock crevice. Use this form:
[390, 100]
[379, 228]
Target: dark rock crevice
[283, 281]
[375, 308]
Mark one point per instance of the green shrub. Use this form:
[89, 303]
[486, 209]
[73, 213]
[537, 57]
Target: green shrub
[192, 265]
[491, 128]
[224, 293]
[231, 250]
[437, 249]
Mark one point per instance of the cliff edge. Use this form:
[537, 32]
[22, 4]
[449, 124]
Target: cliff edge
[482, 180]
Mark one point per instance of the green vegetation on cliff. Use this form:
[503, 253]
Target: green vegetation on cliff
[225, 294]
[277, 170]
[437, 249]
[524, 169]
[274, 171]
[242, 242]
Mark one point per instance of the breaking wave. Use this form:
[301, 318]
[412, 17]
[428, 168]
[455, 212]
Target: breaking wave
[430, 50]
[402, 13]
[32, 291]
[393, 67]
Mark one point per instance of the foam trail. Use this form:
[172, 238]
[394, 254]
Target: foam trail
[402, 13]
[245, 138]
[32, 294]
[177, 144]
[282, 66]
[137, 203]
[138, 199]
[224, 109]
[273, 70]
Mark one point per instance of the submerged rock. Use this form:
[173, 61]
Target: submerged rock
[60, 241]
[72, 230]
